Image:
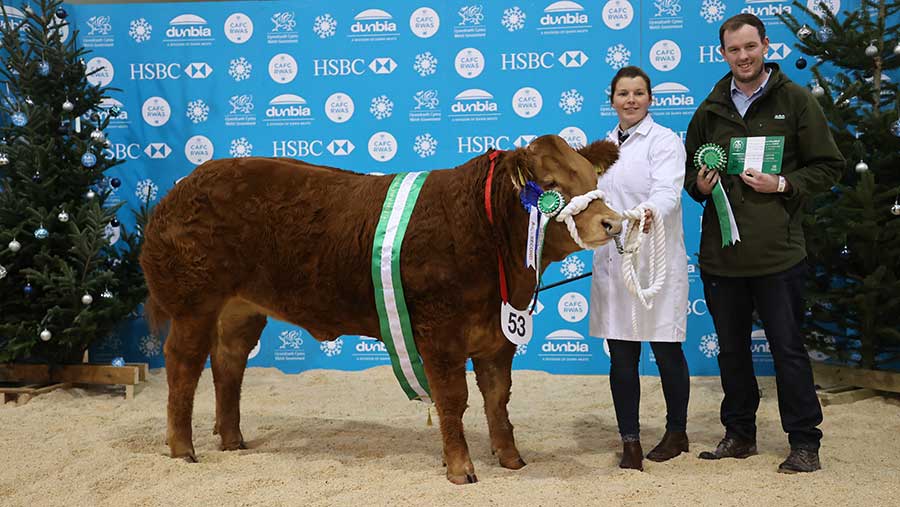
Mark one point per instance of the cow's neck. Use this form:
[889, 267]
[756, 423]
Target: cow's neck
[510, 228]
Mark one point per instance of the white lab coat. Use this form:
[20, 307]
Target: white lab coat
[650, 170]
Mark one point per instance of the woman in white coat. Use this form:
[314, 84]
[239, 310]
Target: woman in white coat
[650, 171]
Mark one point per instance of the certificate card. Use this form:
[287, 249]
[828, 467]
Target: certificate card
[762, 153]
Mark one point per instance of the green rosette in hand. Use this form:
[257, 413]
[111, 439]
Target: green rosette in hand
[714, 158]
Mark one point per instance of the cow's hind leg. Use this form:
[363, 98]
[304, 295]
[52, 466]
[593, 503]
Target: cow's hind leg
[494, 379]
[447, 380]
[239, 327]
[186, 349]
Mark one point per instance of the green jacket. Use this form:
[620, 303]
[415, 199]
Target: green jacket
[770, 225]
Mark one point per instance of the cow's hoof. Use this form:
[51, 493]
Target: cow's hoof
[462, 479]
[238, 446]
[513, 464]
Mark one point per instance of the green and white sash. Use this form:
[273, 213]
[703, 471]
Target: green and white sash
[393, 316]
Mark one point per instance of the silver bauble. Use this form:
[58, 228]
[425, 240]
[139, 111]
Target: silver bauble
[2, 272]
[46, 335]
[68, 106]
[63, 216]
[862, 167]
[818, 91]
[87, 299]
[90, 194]
[895, 209]
[14, 246]
[871, 50]
[897, 49]
[98, 136]
[4, 159]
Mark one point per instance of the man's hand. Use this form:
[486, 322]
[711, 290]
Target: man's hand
[707, 179]
[762, 183]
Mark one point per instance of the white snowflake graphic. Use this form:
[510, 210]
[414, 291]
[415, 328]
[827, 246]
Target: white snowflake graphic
[571, 267]
[571, 101]
[197, 111]
[239, 69]
[140, 30]
[240, 147]
[709, 345]
[618, 56]
[291, 339]
[425, 145]
[325, 26]
[712, 10]
[522, 349]
[513, 19]
[146, 190]
[426, 64]
[332, 348]
[382, 107]
[150, 345]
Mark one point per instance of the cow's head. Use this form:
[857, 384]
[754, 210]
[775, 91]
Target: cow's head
[552, 164]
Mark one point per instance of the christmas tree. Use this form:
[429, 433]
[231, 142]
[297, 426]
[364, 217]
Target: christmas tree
[62, 284]
[853, 231]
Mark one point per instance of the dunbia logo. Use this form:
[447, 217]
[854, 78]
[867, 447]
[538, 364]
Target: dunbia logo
[188, 30]
[372, 25]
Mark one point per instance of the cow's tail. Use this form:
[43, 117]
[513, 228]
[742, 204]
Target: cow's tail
[156, 316]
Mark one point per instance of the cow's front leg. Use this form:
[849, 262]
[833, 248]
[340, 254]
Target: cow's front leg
[494, 379]
[447, 379]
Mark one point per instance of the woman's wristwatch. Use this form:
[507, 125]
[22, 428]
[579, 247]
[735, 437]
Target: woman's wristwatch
[782, 184]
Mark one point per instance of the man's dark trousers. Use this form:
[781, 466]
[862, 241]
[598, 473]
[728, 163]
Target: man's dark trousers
[778, 300]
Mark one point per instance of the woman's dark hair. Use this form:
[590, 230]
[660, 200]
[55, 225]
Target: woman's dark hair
[630, 71]
[736, 22]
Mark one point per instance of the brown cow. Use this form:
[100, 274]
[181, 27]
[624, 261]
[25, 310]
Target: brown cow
[240, 239]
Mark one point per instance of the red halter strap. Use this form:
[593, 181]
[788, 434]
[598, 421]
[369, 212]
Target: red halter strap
[504, 293]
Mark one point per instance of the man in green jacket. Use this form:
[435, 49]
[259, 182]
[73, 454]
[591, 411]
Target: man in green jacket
[765, 270]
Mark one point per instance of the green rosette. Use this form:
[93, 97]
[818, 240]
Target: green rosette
[551, 202]
[712, 155]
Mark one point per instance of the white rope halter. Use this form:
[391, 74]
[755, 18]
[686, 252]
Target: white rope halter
[631, 259]
[633, 239]
[576, 206]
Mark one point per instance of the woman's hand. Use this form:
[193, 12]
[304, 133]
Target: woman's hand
[706, 179]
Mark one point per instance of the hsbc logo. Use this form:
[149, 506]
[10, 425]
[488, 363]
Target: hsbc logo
[778, 51]
[573, 59]
[352, 67]
[159, 71]
[527, 61]
[199, 70]
[157, 150]
[480, 144]
[546, 60]
[340, 147]
[298, 148]
[383, 65]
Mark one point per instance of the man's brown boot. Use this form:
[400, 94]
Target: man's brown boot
[672, 444]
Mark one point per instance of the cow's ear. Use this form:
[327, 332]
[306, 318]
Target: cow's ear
[520, 170]
[602, 154]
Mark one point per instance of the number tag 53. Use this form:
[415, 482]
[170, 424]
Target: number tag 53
[517, 325]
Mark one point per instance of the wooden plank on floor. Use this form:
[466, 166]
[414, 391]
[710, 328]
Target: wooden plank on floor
[827, 374]
[841, 395]
[25, 373]
[96, 374]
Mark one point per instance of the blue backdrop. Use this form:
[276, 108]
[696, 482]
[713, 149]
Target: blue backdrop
[394, 86]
